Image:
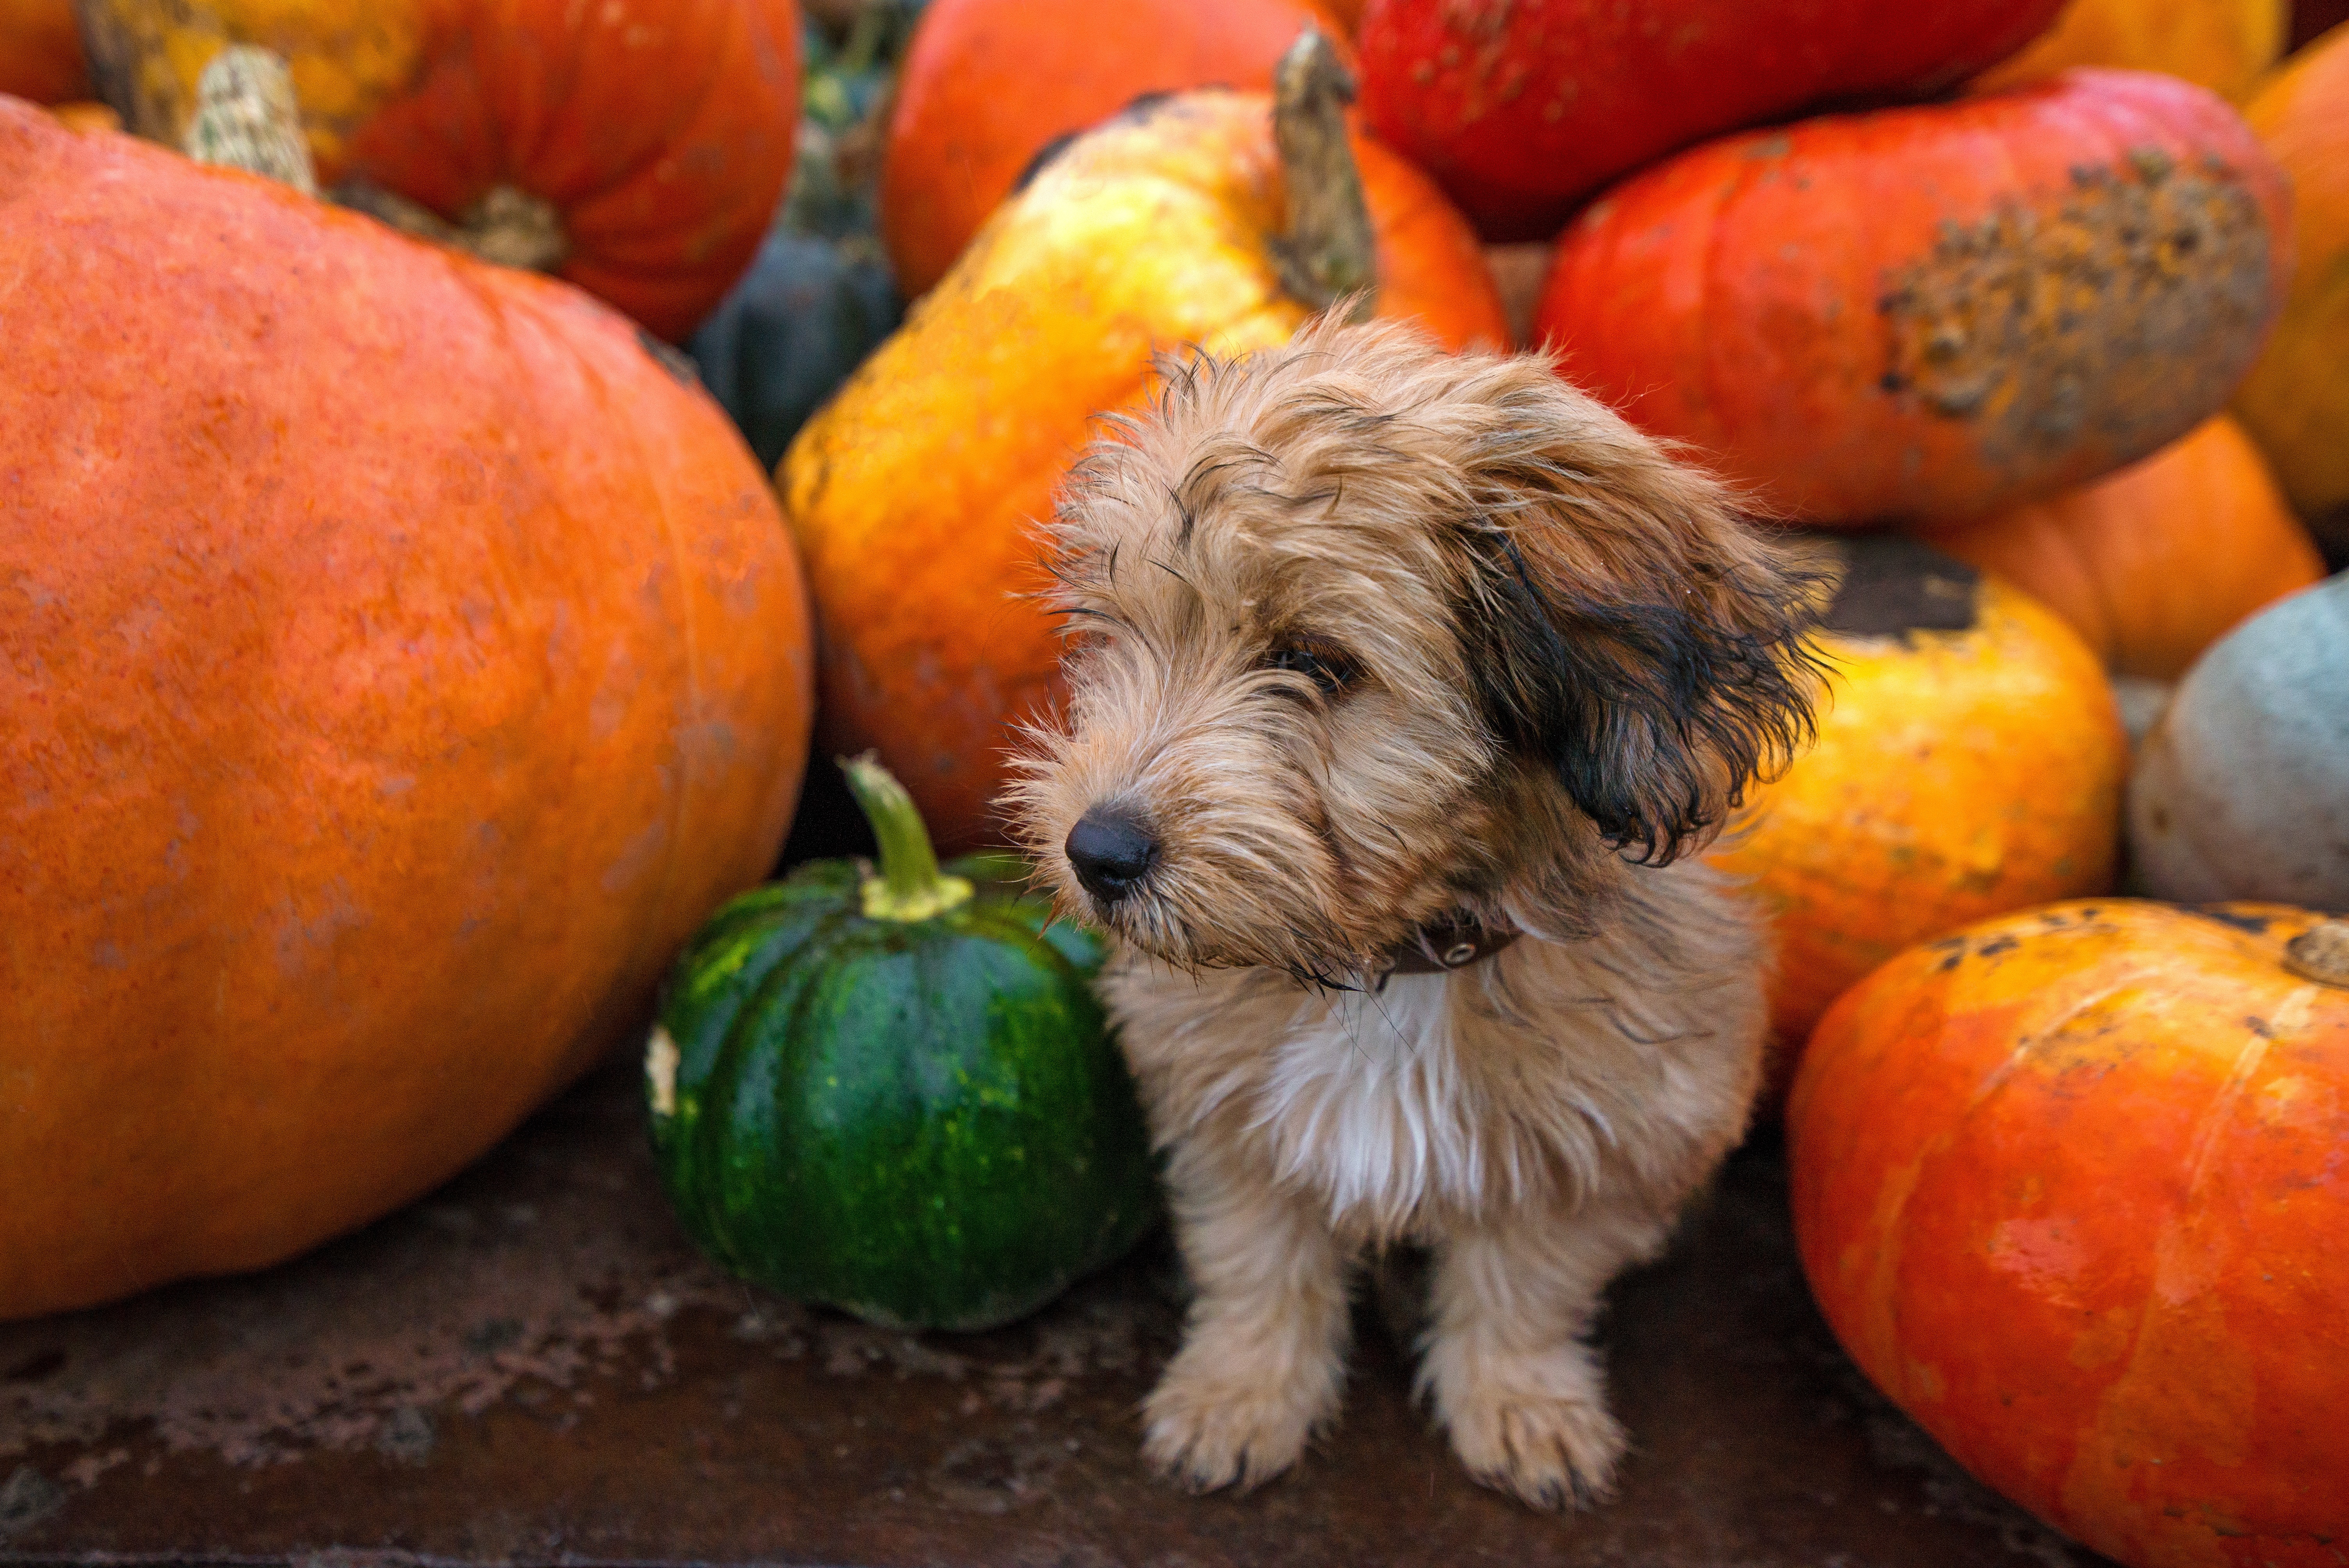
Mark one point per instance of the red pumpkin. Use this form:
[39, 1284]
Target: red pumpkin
[649, 139]
[40, 51]
[1519, 110]
[2072, 1186]
[962, 132]
[396, 662]
[1933, 312]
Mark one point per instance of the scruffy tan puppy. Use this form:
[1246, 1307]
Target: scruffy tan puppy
[1389, 657]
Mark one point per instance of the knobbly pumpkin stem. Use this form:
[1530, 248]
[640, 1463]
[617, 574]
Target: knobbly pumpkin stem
[910, 886]
[2321, 953]
[508, 226]
[246, 117]
[1329, 253]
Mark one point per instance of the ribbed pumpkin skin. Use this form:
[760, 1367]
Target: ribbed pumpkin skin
[913, 492]
[1959, 773]
[2295, 403]
[1519, 110]
[924, 1123]
[40, 51]
[2224, 45]
[2069, 1187]
[396, 662]
[1933, 312]
[2155, 562]
[661, 130]
[986, 84]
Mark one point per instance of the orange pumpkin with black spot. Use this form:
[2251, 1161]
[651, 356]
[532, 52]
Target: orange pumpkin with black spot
[2071, 1188]
[1970, 760]
[1938, 311]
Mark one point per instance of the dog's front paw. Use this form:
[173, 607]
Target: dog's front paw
[1537, 1426]
[1203, 1432]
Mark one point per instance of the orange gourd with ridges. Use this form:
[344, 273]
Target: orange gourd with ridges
[395, 666]
[2222, 44]
[658, 132]
[2295, 403]
[987, 84]
[913, 492]
[1933, 312]
[2070, 1187]
[2154, 563]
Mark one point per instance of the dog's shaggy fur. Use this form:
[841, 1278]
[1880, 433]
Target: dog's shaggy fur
[1369, 635]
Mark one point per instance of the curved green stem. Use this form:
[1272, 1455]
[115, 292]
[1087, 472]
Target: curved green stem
[1329, 253]
[910, 886]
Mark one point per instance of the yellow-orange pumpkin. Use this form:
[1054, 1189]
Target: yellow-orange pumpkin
[644, 143]
[1970, 761]
[2155, 562]
[987, 84]
[2295, 403]
[2224, 45]
[396, 662]
[2070, 1186]
[913, 490]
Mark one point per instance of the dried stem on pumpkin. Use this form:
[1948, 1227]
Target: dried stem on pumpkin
[1329, 253]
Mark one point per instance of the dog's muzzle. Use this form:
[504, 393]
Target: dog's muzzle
[1112, 851]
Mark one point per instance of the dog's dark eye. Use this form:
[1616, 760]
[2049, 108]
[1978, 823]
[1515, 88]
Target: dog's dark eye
[1329, 670]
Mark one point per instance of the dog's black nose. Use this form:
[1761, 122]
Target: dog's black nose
[1112, 851]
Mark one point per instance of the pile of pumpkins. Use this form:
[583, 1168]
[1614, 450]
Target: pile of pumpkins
[403, 647]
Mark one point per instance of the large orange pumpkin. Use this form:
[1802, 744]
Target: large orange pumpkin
[1970, 761]
[647, 140]
[2296, 401]
[2154, 563]
[397, 661]
[2222, 44]
[1519, 110]
[1933, 312]
[987, 85]
[913, 490]
[2070, 1186]
[40, 51]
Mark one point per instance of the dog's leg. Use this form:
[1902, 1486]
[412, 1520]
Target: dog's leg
[1523, 1398]
[1264, 1354]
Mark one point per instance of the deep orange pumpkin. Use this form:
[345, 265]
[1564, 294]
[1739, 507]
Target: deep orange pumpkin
[1933, 312]
[658, 133]
[2295, 403]
[2222, 44]
[2070, 1187]
[1519, 110]
[1970, 761]
[987, 85]
[2154, 563]
[396, 662]
[913, 492]
[40, 51]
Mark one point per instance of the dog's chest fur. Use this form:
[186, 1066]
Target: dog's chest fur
[1551, 1069]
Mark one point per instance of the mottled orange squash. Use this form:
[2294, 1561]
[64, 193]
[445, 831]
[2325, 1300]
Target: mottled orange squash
[2070, 1187]
[2224, 45]
[913, 492]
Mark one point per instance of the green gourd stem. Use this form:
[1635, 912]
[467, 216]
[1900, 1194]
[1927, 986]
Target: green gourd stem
[1330, 253]
[910, 886]
[246, 117]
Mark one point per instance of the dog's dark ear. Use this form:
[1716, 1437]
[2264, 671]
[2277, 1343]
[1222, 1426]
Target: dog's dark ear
[1629, 631]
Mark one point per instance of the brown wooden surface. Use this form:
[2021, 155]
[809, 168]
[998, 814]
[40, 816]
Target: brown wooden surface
[533, 1365]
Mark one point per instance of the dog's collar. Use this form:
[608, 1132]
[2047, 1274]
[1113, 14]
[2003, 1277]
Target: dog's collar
[1451, 942]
